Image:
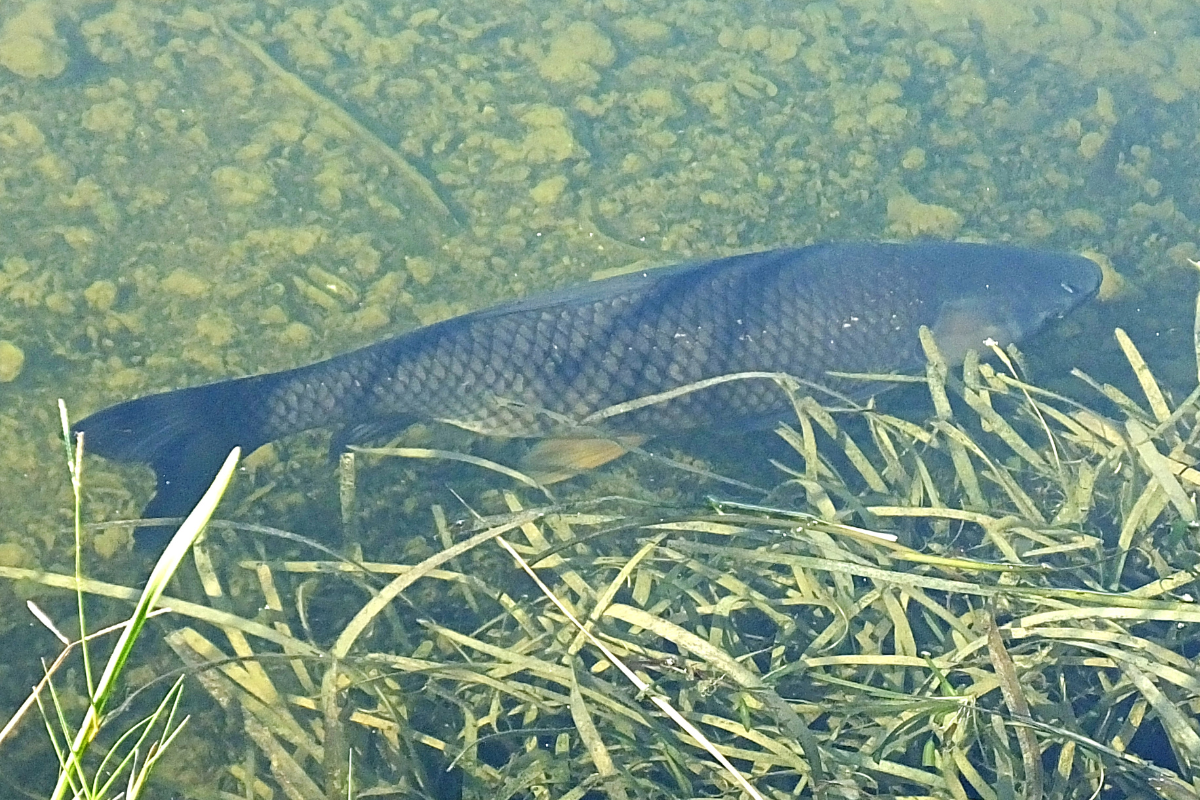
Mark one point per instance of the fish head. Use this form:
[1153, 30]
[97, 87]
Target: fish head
[1005, 294]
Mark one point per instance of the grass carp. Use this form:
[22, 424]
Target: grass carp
[537, 366]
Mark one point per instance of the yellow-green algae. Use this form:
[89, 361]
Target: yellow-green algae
[12, 360]
[710, 130]
[29, 46]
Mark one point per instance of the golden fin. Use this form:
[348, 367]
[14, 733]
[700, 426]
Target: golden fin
[553, 460]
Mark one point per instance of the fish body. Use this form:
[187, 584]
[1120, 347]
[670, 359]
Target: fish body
[537, 366]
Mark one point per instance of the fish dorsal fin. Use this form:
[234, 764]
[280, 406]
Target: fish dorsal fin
[635, 282]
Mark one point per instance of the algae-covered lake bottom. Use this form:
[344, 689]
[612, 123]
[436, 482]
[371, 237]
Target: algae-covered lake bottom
[195, 191]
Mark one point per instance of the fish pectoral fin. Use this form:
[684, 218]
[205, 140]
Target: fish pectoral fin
[553, 460]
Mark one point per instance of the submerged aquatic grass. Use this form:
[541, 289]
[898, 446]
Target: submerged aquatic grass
[124, 769]
[993, 603]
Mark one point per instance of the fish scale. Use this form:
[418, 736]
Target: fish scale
[538, 366]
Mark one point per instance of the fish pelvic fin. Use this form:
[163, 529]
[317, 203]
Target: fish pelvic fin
[554, 460]
[184, 436]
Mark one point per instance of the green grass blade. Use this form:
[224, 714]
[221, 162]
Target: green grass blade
[166, 566]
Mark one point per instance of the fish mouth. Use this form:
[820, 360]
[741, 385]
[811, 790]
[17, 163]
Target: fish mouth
[991, 318]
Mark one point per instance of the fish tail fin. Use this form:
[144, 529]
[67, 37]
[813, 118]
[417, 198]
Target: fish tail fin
[183, 435]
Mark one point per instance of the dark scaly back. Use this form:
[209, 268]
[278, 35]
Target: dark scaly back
[799, 311]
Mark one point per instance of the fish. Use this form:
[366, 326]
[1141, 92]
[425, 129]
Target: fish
[547, 364]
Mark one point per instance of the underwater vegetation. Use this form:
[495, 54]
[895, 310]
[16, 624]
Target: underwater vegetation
[193, 192]
[993, 602]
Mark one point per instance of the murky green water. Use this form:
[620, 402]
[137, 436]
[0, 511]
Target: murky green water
[194, 191]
